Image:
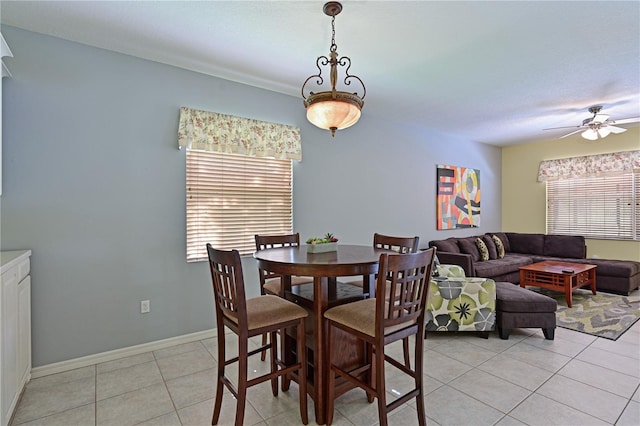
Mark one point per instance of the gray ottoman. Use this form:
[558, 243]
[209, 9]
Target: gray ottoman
[517, 307]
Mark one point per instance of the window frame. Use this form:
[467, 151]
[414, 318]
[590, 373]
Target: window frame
[605, 206]
[251, 195]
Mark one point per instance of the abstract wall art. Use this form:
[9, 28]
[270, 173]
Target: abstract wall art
[457, 197]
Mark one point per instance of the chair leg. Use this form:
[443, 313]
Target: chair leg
[332, 378]
[274, 364]
[418, 359]
[263, 355]
[302, 373]
[371, 373]
[217, 406]
[405, 349]
[549, 333]
[242, 380]
[287, 358]
[380, 385]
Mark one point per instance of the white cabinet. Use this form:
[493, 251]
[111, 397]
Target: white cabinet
[24, 331]
[15, 329]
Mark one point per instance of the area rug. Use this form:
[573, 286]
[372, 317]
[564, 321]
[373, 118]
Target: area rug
[603, 315]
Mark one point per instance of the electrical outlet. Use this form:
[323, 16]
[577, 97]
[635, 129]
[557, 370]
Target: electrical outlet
[144, 306]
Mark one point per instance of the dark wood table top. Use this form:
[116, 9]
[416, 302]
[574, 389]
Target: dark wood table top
[556, 267]
[346, 260]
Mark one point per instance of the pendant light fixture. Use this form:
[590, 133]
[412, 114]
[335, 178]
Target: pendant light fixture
[333, 109]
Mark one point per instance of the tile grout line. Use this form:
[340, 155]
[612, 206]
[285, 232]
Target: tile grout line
[624, 352]
[557, 373]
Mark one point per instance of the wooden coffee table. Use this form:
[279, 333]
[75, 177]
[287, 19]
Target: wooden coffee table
[559, 276]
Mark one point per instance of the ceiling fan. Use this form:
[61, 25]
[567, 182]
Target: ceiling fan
[599, 126]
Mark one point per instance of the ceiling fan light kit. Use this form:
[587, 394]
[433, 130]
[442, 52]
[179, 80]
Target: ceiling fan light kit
[599, 126]
[333, 109]
[592, 135]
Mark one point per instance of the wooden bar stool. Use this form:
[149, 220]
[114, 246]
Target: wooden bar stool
[271, 283]
[379, 322]
[398, 245]
[248, 318]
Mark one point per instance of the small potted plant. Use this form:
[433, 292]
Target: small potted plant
[323, 244]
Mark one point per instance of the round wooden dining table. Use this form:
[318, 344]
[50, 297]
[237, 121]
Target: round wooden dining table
[325, 268]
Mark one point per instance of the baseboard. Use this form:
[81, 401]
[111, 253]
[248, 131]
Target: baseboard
[72, 364]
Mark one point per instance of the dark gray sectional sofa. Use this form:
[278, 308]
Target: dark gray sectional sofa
[612, 276]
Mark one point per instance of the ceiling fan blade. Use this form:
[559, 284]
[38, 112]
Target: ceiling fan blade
[569, 134]
[566, 127]
[614, 129]
[599, 118]
[627, 120]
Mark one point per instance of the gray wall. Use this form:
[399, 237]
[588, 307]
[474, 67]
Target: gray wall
[94, 184]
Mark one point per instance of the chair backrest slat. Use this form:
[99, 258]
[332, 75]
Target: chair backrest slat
[406, 277]
[264, 242]
[272, 241]
[397, 244]
[228, 284]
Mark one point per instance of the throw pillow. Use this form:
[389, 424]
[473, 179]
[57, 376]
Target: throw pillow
[499, 246]
[505, 241]
[482, 248]
[468, 246]
[493, 252]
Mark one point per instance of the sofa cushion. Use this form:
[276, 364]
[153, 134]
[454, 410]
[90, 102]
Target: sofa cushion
[497, 267]
[482, 249]
[564, 246]
[450, 245]
[616, 268]
[505, 240]
[526, 243]
[468, 246]
[499, 246]
[513, 298]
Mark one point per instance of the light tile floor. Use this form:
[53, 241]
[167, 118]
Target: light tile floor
[576, 379]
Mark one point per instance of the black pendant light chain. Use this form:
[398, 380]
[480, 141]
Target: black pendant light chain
[333, 47]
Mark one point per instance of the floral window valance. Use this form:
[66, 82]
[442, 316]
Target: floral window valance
[211, 131]
[590, 165]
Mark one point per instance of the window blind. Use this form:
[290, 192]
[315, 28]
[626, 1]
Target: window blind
[600, 207]
[232, 197]
[636, 191]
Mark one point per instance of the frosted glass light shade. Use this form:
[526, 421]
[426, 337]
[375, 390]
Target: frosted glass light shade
[590, 134]
[604, 132]
[333, 114]
[333, 110]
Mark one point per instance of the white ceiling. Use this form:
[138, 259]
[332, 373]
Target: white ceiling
[493, 72]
